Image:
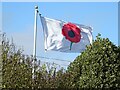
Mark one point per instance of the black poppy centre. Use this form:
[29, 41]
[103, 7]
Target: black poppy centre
[71, 34]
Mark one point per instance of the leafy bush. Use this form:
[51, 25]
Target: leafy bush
[17, 70]
[98, 66]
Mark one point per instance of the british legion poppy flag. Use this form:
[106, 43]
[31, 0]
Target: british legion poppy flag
[65, 36]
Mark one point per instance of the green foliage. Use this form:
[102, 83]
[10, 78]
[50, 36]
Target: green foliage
[98, 66]
[16, 72]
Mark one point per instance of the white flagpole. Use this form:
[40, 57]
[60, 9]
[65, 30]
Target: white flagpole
[35, 40]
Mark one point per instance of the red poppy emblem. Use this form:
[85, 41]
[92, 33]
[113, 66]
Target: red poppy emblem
[71, 33]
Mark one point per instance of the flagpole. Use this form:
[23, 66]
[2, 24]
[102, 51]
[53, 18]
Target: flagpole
[35, 40]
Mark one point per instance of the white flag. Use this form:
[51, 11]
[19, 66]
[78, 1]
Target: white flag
[65, 36]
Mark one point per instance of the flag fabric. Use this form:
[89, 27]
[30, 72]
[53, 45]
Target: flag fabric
[65, 36]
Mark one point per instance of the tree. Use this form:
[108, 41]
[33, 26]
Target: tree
[98, 66]
[16, 70]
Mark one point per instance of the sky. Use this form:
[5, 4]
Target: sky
[0, 16]
[18, 22]
[60, 0]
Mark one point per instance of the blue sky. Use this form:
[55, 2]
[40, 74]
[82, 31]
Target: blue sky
[0, 16]
[18, 22]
